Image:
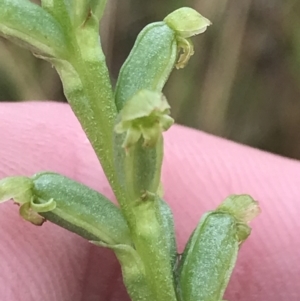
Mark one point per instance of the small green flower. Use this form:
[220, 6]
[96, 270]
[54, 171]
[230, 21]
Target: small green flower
[145, 115]
[186, 22]
[20, 189]
[17, 188]
[244, 209]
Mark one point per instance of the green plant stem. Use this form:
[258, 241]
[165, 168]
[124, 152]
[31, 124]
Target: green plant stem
[153, 248]
[94, 106]
[88, 89]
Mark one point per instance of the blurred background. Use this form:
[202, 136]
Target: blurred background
[243, 82]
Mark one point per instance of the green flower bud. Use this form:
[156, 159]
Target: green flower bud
[208, 258]
[30, 26]
[210, 255]
[155, 51]
[79, 209]
[68, 204]
[149, 63]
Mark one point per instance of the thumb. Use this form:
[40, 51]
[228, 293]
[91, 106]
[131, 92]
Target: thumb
[199, 172]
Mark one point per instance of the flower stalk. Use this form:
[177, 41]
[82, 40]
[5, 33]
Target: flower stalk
[125, 128]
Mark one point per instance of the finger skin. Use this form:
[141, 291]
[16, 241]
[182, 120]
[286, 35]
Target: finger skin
[49, 263]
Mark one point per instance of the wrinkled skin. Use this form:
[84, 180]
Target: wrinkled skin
[50, 264]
